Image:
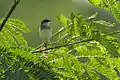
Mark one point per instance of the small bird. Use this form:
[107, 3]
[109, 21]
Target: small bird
[45, 31]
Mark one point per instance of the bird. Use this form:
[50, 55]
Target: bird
[45, 31]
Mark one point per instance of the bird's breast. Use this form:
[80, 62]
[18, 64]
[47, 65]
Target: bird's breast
[45, 34]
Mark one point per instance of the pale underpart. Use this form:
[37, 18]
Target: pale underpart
[45, 35]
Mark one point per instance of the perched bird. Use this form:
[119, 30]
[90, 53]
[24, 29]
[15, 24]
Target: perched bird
[45, 31]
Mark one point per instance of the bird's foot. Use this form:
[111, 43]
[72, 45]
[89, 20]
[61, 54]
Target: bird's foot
[45, 53]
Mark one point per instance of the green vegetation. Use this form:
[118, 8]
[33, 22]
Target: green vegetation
[85, 49]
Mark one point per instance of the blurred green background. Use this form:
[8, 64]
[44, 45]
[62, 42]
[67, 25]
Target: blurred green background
[31, 12]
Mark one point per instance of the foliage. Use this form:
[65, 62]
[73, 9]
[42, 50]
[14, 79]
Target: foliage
[89, 60]
[16, 60]
[111, 5]
[97, 59]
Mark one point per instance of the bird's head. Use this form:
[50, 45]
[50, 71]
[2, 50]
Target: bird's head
[45, 22]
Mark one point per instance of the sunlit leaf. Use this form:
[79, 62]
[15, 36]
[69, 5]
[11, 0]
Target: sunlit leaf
[105, 23]
[111, 5]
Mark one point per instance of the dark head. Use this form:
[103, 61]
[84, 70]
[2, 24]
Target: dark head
[45, 21]
[45, 24]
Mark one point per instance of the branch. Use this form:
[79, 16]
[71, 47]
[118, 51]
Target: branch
[112, 33]
[64, 45]
[9, 13]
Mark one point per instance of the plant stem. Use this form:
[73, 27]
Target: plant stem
[64, 45]
[9, 13]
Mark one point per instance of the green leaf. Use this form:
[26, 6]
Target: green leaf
[17, 24]
[105, 23]
[10, 34]
[111, 5]
[62, 19]
[16, 35]
[93, 16]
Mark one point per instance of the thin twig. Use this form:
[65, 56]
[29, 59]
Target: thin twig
[9, 13]
[64, 45]
[112, 33]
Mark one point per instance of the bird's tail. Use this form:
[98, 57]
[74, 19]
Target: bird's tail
[45, 44]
